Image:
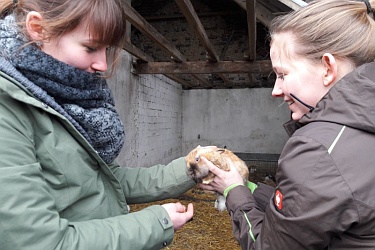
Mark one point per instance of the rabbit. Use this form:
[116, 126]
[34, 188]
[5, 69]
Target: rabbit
[199, 172]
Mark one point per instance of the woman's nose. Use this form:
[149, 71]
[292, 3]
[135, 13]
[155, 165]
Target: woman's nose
[100, 61]
[277, 91]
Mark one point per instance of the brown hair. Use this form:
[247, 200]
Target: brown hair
[340, 27]
[106, 18]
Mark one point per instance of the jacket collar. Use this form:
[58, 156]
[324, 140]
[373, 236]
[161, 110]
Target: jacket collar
[350, 102]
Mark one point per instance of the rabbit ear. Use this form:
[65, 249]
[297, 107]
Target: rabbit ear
[221, 150]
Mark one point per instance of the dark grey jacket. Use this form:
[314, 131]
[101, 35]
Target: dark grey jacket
[325, 194]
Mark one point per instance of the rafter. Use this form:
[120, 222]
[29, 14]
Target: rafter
[191, 16]
[198, 73]
[252, 28]
[141, 24]
[188, 10]
[201, 67]
[262, 14]
[137, 52]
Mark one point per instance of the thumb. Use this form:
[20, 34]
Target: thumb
[232, 167]
[211, 167]
[190, 210]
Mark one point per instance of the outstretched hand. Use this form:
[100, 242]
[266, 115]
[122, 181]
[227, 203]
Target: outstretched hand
[223, 179]
[178, 213]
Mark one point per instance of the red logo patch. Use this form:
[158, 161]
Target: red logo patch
[278, 200]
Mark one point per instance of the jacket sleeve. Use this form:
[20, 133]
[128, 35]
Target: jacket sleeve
[29, 220]
[158, 182]
[262, 195]
[246, 213]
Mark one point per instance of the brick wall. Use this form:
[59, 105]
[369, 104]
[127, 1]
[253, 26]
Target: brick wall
[151, 108]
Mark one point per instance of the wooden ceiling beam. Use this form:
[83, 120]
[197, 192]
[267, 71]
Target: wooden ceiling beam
[201, 67]
[187, 9]
[142, 25]
[262, 14]
[184, 83]
[146, 59]
[225, 79]
[200, 15]
[201, 79]
[133, 50]
[251, 28]
[191, 16]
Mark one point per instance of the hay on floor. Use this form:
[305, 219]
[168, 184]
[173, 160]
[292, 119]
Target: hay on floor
[210, 228]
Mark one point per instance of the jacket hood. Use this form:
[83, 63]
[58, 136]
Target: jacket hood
[350, 102]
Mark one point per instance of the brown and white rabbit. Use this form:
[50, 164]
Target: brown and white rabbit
[219, 157]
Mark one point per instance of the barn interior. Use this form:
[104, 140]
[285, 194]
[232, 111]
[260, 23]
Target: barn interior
[198, 72]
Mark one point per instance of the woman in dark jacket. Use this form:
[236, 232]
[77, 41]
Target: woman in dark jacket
[323, 58]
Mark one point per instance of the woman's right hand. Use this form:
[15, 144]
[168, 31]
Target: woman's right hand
[222, 179]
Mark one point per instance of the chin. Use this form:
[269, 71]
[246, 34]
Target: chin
[296, 116]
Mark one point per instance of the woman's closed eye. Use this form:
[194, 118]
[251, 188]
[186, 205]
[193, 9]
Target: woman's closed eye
[91, 49]
[280, 76]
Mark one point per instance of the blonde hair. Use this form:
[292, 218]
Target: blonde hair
[106, 19]
[340, 27]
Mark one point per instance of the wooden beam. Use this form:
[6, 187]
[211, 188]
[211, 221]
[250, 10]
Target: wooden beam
[191, 16]
[141, 24]
[225, 79]
[146, 58]
[201, 79]
[251, 28]
[128, 27]
[180, 81]
[201, 67]
[200, 15]
[262, 14]
[137, 52]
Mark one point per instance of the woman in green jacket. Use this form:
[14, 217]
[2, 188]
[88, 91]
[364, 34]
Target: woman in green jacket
[60, 134]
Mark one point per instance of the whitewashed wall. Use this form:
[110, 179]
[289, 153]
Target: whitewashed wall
[243, 120]
[164, 122]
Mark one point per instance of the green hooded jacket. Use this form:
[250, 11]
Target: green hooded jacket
[57, 193]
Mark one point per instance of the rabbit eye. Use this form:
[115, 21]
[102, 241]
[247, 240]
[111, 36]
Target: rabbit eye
[197, 159]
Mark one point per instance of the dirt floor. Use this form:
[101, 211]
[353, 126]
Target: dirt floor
[210, 228]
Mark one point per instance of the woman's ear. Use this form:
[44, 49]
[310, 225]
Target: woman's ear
[33, 27]
[330, 69]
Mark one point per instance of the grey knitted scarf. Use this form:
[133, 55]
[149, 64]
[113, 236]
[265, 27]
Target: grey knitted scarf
[82, 97]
